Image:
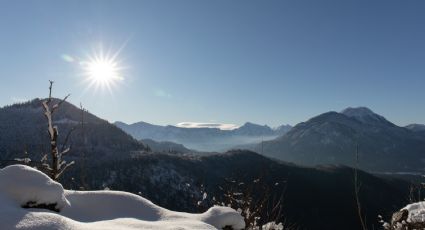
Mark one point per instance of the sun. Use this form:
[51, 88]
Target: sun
[102, 70]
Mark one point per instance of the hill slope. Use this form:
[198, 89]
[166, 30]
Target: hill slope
[313, 198]
[23, 128]
[333, 137]
[165, 146]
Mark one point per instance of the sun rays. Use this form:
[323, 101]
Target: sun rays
[102, 71]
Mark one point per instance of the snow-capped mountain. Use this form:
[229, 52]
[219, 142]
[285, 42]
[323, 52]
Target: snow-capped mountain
[365, 115]
[333, 138]
[282, 129]
[204, 139]
[178, 181]
[251, 129]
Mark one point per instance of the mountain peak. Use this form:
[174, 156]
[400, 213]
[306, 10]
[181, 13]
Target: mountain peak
[250, 124]
[251, 129]
[365, 115]
[358, 112]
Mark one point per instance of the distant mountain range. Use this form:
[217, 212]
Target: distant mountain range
[204, 139]
[333, 138]
[330, 138]
[314, 198]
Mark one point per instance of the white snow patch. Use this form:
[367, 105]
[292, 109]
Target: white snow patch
[93, 209]
[24, 184]
[416, 212]
[273, 226]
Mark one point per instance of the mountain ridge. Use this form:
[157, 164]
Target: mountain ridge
[333, 137]
[416, 127]
[23, 128]
[203, 139]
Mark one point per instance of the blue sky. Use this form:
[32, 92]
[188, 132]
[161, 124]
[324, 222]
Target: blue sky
[268, 62]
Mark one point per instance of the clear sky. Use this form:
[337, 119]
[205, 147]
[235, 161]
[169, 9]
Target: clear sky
[268, 62]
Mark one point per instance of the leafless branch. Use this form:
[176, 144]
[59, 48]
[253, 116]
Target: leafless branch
[56, 106]
[57, 166]
[357, 186]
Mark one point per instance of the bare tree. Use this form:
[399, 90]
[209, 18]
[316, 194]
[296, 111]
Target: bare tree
[57, 165]
[357, 186]
[260, 202]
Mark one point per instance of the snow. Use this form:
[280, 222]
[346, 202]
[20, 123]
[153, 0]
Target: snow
[24, 184]
[273, 226]
[92, 209]
[363, 114]
[416, 212]
[358, 112]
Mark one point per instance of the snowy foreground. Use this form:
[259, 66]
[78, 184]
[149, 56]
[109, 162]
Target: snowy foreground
[21, 185]
[410, 217]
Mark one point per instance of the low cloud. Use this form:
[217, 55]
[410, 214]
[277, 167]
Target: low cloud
[207, 125]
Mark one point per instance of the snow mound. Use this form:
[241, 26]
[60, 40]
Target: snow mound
[221, 217]
[93, 209]
[27, 185]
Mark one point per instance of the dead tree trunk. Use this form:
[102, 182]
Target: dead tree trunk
[57, 166]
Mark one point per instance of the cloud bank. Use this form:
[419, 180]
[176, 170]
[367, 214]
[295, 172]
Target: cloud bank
[207, 125]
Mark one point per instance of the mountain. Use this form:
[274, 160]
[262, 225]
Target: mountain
[204, 139]
[281, 130]
[251, 129]
[333, 138]
[166, 146]
[313, 198]
[23, 127]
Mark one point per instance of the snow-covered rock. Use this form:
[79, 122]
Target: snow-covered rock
[410, 217]
[273, 226]
[93, 209]
[416, 212]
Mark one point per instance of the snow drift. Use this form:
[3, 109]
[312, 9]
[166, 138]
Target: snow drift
[21, 185]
